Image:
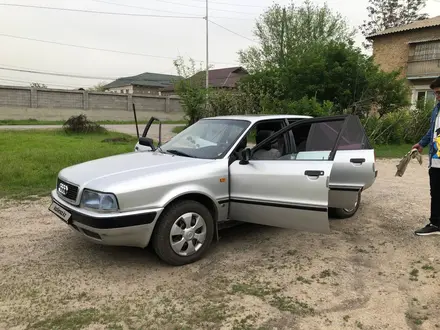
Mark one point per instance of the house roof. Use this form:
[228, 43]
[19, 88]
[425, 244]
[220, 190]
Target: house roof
[225, 77]
[144, 79]
[421, 24]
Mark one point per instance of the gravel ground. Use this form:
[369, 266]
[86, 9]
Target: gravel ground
[371, 272]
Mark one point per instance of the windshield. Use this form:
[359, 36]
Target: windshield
[207, 138]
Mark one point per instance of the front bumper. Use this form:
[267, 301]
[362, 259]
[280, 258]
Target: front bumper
[122, 229]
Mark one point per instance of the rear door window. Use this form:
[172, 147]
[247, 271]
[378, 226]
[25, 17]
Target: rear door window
[353, 137]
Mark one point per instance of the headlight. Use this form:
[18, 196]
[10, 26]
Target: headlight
[98, 201]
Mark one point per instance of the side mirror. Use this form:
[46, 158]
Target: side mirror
[245, 156]
[147, 142]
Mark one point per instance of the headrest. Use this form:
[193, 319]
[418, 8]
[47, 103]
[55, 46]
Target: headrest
[261, 136]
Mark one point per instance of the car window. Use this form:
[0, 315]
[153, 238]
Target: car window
[313, 141]
[207, 138]
[259, 132]
[353, 137]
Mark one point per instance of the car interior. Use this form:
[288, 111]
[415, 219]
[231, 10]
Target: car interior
[313, 141]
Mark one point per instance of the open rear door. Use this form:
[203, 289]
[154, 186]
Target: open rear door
[353, 167]
[292, 191]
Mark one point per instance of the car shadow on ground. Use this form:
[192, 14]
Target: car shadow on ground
[241, 236]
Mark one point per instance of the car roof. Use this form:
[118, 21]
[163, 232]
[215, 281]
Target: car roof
[256, 118]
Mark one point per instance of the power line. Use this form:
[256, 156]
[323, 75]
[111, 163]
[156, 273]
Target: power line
[97, 12]
[164, 11]
[97, 49]
[231, 4]
[55, 74]
[28, 82]
[71, 75]
[139, 7]
[192, 6]
[233, 32]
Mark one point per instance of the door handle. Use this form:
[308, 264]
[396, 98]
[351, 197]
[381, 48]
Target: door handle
[357, 160]
[314, 173]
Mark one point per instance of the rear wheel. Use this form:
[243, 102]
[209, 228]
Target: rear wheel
[346, 213]
[183, 233]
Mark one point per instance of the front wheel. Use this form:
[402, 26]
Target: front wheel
[184, 232]
[346, 213]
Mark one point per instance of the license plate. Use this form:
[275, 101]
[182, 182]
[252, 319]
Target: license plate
[60, 212]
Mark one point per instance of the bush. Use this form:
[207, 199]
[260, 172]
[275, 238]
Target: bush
[305, 106]
[404, 126]
[80, 124]
[224, 103]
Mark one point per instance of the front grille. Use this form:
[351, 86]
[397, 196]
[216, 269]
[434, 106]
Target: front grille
[67, 190]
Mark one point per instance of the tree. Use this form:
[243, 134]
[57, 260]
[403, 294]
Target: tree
[191, 90]
[291, 31]
[338, 73]
[98, 87]
[37, 85]
[385, 14]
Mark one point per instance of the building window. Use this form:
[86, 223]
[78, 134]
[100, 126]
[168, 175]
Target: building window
[126, 91]
[423, 96]
[425, 51]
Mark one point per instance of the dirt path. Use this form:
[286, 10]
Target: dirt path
[371, 272]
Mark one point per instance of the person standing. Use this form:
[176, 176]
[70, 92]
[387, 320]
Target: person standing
[432, 138]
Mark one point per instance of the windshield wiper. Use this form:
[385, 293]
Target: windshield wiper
[179, 153]
[160, 149]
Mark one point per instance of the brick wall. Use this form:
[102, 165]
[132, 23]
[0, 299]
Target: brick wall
[15, 96]
[32, 98]
[108, 101]
[58, 99]
[391, 51]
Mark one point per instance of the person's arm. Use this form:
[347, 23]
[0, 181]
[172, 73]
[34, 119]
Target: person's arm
[426, 139]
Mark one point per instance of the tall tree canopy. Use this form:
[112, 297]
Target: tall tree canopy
[385, 14]
[292, 30]
[308, 53]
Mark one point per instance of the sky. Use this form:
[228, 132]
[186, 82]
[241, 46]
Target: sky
[140, 35]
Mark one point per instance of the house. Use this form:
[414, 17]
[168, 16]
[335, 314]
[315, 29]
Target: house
[144, 83]
[414, 48]
[225, 78]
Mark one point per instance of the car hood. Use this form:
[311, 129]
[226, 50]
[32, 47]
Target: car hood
[125, 167]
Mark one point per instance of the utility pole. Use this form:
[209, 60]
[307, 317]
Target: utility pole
[207, 54]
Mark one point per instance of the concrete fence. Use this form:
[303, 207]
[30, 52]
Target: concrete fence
[13, 97]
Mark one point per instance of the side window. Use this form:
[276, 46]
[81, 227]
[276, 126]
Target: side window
[314, 141]
[353, 137]
[257, 134]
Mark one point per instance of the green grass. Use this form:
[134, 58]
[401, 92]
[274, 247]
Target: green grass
[393, 151]
[103, 122]
[31, 160]
[76, 320]
[178, 129]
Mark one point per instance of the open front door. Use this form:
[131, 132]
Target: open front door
[145, 143]
[290, 191]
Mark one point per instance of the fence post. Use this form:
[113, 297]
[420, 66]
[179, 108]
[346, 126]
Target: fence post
[129, 102]
[167, 104]
[34, 98]
[85, 100]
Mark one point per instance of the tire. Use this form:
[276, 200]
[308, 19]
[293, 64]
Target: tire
[344, 213]
[175, 219]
